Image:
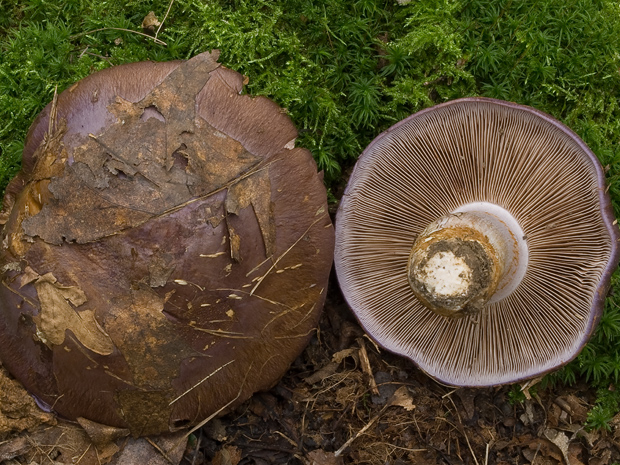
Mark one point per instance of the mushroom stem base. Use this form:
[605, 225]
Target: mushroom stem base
[461, 261]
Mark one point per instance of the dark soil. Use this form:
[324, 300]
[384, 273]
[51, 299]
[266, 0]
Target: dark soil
[331, 396]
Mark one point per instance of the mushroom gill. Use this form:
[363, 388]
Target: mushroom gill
[466, 152]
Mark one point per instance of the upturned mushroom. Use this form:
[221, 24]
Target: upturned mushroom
[477, 239]
[165, 248]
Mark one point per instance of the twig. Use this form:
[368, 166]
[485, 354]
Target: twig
[165, 16]
[360, 432]
[96, 55]
[366, 368]
[84, 453]
[536, 453]
[160, 450]
[289, 440]
[155, 39]
[394, 446]
[258, 447]
[463, 431]
[198, 441]
[51, 123]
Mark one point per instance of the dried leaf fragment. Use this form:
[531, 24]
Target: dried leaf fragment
[155, 351]
[101, 435]
[150, 22]
[58, 315]
[342, 354]
[154, 159]
[161, 450]
[402, 398]
[227, 455]
[255, 190]
[560, 439]
[70, 215]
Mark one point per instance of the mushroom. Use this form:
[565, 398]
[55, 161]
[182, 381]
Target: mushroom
[165, 249]
[477, 239]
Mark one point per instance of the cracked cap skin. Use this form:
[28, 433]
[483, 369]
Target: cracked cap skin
[165, 250]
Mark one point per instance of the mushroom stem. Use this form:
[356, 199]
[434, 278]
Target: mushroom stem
[466, 259]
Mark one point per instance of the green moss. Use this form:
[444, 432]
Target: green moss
[345, 71]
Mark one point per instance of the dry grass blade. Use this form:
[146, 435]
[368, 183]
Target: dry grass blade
[220, 410]
[471, 450]
[275, 263]
[164, 20]
[200, 382]
[363, 354]
[360, 432]
[160, 450]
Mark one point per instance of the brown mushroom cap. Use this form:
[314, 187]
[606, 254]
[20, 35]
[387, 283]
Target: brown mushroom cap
[165, 250]
[458, 154]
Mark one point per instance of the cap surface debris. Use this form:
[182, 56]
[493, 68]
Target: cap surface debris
[165, 248]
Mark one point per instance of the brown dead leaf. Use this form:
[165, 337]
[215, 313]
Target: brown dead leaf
[161, 450]
[14, 447]
[78, 214]
[555, 414]
[528, 417]
[58, 315]
[323, 373]
[102, 435]
[560, 440]
[402, 398]
[604, 458]
[150, 22]
[227, 455]
[578, 408]
[467, 397]
[255, 190]
[544, 450]
[216, 430]
[153, 354]
[574, 451]
[154, 159]
[175, 99]
[152, 341]
[342, 354]
[28, 276]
